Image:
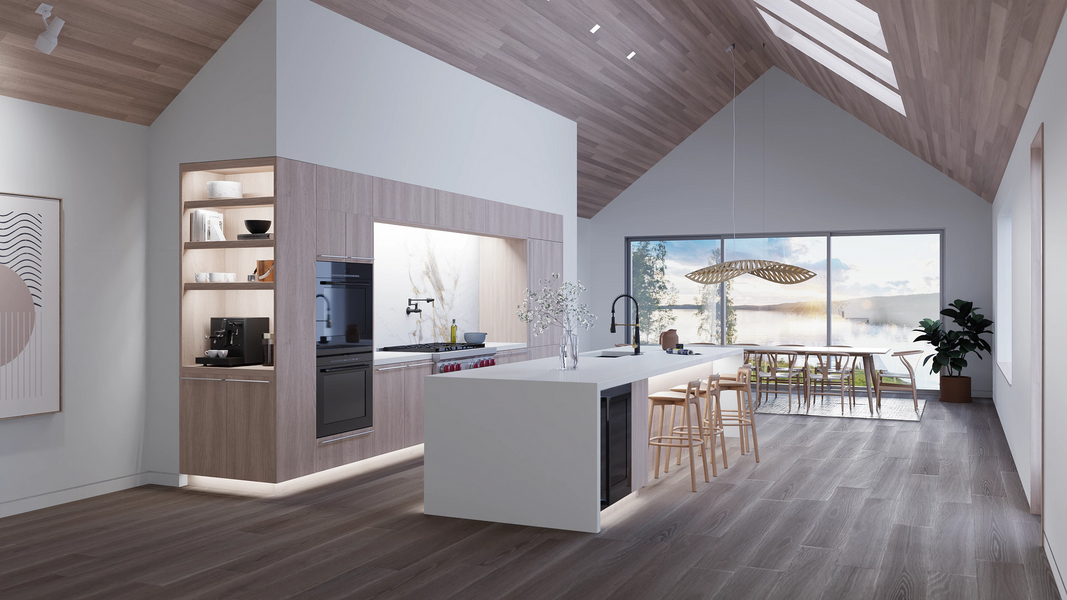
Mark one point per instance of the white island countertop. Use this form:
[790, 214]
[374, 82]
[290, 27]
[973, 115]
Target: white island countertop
[603, 371]
[520, 443]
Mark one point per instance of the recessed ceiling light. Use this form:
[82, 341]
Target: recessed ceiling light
[831, 61]
[855, 17]
[595, 27]
[833, 38]
[630, 55]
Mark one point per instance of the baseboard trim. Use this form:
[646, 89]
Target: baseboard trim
[80, 492]
[167, 479]
[1056, 574]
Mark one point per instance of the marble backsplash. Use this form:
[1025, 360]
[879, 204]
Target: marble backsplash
[411, 262]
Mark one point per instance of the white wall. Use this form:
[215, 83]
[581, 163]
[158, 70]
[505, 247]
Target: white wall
[98, 167]
[825, 171]
[354, 99]
[1013, 400]
[227, 111]
[300, 81]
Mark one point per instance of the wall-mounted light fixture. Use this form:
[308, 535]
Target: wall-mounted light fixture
[47, 41]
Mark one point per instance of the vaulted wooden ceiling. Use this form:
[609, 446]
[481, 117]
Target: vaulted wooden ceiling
[123, 59]
[966, 69]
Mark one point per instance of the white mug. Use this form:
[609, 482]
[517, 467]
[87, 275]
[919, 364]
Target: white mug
[201, 277]
[223, 353]
[212, 353]
[216, 277]
[231, 277]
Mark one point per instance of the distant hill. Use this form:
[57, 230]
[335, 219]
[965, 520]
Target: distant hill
[905, 310]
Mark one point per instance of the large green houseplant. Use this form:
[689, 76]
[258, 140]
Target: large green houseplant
[953, 345]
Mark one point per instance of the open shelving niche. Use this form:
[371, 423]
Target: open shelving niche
[201, 301]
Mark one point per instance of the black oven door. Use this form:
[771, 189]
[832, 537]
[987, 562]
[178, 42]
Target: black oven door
[344, 305]
[344, 394]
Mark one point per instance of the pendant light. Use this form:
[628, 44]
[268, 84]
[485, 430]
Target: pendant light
[770, 270]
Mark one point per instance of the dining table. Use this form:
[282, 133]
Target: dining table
[863, 353]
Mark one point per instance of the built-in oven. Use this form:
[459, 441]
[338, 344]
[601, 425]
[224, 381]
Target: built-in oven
[345, 393]
[344, 307]
[344, 323]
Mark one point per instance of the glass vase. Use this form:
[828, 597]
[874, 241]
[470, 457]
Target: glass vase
[568, 351]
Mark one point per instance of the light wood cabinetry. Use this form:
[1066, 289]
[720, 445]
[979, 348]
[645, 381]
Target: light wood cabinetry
[544, 258]
[398, 202]
[508, 357]
[344, 223]
[462, 213]
[343, 191]
[252, 424]
[359, 237]
[331, 234]
[205, 445]
[507, 220]
[227, 426]
[414, 385]
[546, 226]
[258, 423]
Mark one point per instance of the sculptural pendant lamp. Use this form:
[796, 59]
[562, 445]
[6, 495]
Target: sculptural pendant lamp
[770, 270]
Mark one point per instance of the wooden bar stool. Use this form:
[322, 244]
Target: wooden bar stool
[689, 436]
[712, 419]
[744, 418]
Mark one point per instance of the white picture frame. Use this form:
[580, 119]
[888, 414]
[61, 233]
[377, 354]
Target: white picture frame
[31, 272]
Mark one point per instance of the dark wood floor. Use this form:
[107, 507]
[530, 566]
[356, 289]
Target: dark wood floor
[836, 509]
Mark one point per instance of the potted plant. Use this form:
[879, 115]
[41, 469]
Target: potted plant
[952, 347]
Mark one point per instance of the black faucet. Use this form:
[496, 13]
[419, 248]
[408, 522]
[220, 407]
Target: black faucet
[636, 324]
[414, 302]
[327, 320]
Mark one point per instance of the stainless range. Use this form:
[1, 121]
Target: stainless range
[449, 358]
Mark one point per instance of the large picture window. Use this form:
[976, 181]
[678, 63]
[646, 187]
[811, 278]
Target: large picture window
[869, 290]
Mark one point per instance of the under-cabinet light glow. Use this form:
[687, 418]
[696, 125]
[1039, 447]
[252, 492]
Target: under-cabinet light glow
[594, 29]
[836, 64]
[853, 16]
[630, 55]
[833, 38]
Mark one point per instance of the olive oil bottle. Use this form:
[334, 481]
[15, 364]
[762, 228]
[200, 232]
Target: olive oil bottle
[452, 338]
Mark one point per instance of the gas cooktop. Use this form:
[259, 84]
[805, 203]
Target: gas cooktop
[432, 347]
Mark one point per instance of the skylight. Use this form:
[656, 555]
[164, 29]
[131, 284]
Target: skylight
[853, 16]
[833, 38]
[836, 64]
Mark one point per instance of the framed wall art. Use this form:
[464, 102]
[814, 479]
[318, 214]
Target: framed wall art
[30, 312]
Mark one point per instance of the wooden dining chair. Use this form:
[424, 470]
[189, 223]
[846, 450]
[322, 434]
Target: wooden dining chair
[834, 369]
[884, 380]
[790, 374]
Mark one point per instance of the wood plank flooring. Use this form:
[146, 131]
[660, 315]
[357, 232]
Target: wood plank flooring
[837, 508]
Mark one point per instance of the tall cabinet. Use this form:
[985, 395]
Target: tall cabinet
[258, 423]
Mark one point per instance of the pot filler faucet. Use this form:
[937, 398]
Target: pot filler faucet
[413, 304]
[636, 324]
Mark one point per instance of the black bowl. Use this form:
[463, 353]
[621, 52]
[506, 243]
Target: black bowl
[257, 226]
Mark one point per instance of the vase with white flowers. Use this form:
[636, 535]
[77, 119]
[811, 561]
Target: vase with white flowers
[558, 304]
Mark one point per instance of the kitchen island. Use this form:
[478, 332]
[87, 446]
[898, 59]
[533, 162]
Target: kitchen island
[521, 443]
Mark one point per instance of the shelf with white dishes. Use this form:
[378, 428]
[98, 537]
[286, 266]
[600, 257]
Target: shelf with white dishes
[249, 285]
[224, 203]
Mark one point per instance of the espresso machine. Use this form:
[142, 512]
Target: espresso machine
[241, 338]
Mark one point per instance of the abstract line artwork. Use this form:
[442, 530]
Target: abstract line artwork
[29, 306]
